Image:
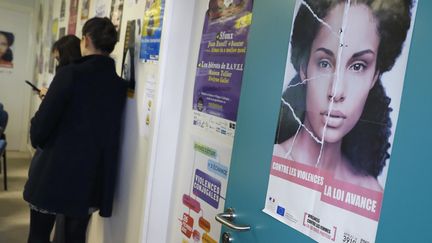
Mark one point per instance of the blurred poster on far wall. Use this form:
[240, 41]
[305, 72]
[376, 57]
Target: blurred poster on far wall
[85, 10]
[54, 32]
[39, 24]
[62, 9]
[73, 12]
[101, 8]
[62, 32]
[116, 14]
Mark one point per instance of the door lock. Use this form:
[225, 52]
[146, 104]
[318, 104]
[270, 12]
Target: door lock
[226, 238]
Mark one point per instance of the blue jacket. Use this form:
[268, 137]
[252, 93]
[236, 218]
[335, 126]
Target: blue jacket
[3, 120]
[77, 133]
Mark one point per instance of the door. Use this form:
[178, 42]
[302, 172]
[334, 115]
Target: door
[407, 194]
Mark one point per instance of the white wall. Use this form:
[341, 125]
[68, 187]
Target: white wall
[175, 52]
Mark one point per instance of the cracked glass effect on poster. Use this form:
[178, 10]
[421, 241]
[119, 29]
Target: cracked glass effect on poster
[220, 64]
[339, 109]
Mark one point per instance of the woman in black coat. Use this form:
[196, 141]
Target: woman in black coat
[77, 127]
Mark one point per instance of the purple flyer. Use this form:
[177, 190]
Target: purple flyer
[221, 58]
[207, 188]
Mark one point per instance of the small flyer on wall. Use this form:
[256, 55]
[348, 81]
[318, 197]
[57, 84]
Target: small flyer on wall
[54, 31]
[220, 65]
[148, 106]
[62, 32]
[62, 10]
[101, 8]
[206, 195]
[40, 59]
[338, 113]
[152, 30]
[117, 14]
[85, 9]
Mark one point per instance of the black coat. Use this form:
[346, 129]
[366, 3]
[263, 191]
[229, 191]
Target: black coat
[77, 128]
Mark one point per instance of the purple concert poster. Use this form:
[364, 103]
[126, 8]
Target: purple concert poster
[221, 58]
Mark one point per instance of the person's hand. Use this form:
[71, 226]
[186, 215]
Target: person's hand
[43, 92]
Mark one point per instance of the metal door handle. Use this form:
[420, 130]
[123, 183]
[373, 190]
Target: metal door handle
[226, 218]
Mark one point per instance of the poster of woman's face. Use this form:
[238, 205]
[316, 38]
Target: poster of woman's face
[6, 54]
[337, 113]
[339, 106]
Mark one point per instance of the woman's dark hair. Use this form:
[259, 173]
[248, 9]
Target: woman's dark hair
[69, 49]
[102, 33]
[10, 38]
[366, 144]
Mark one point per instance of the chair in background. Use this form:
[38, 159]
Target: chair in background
[3, 123]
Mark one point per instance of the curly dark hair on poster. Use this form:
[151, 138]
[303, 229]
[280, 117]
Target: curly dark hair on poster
[366, 145]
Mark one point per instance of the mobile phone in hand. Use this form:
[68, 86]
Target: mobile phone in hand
[33, 86]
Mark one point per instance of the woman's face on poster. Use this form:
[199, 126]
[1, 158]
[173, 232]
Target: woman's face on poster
[4, 45]
[342, 76]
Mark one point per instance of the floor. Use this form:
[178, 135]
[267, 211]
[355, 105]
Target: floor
[14, 212]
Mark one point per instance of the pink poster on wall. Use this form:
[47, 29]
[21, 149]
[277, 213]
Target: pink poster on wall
[338, 114]
[73, 13]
